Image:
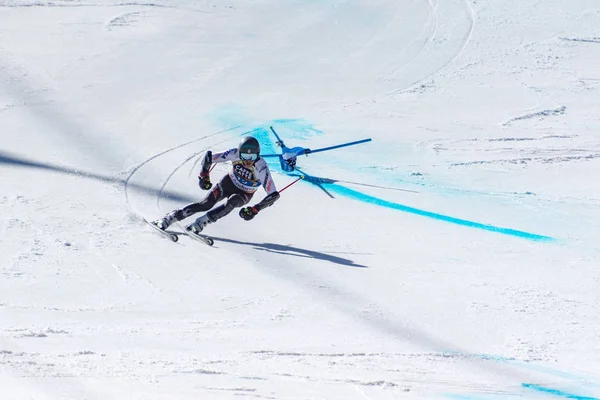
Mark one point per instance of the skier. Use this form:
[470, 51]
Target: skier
[248, 173]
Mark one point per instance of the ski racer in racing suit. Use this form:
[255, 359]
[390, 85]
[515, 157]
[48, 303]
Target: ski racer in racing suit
[249, 171]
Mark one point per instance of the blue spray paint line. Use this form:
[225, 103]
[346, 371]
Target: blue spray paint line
[344, 191]
[533, 367]
[589, 380]
[556, 392]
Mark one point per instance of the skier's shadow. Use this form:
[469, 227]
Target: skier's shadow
[294, 251]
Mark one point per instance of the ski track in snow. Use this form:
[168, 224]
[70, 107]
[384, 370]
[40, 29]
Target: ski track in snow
[544, 149]
[70, 4]
[130, 186]
[123, 20]
[539, 115]
[583, 40]
[441, 36]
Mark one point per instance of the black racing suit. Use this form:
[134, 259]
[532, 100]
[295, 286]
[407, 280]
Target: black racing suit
[225, 189]
[237, 187]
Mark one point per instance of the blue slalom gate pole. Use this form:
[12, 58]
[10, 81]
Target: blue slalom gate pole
[337, 146]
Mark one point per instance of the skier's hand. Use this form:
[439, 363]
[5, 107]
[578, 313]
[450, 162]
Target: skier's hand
[248, 213]
[204, 182]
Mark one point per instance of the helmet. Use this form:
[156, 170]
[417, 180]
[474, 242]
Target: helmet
[249, 149]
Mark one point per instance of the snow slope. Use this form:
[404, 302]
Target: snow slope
[482, 285]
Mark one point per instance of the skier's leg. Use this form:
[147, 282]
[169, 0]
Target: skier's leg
[236, 198]
[206, 204]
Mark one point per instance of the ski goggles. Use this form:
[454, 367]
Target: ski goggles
[248, 156]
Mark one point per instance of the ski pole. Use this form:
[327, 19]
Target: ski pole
[301, 177]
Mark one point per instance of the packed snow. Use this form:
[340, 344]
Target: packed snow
[455, 256]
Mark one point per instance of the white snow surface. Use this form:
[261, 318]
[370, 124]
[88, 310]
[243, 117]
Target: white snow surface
[482, 285]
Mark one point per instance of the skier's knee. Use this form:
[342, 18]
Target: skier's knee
[237, 200]
[219, 212]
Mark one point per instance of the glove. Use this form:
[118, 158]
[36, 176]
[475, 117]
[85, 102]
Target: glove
[204, 181]
[248, 213]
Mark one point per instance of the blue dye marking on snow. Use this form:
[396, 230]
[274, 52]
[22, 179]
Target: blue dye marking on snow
[298, 128]
[556, 392]
[301, 129]
[267, 145]
[554, 372]
[293, 129]
[532, 367]
[228, 115]
[344, 191]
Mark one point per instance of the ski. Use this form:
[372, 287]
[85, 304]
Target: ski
[200, 237]
[169, 234]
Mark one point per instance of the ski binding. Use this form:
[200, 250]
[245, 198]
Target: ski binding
[199, 237]
[169, 234]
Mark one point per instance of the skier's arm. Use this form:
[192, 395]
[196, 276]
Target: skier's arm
[204, 177]
[211, 158]
[272, 194]
[207, 162]
[264, 175]
[267, 201]
[249, 212]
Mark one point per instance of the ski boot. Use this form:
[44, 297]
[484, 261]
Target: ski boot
[166, 221]
[198, 225]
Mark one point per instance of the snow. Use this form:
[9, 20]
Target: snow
[454, 257]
